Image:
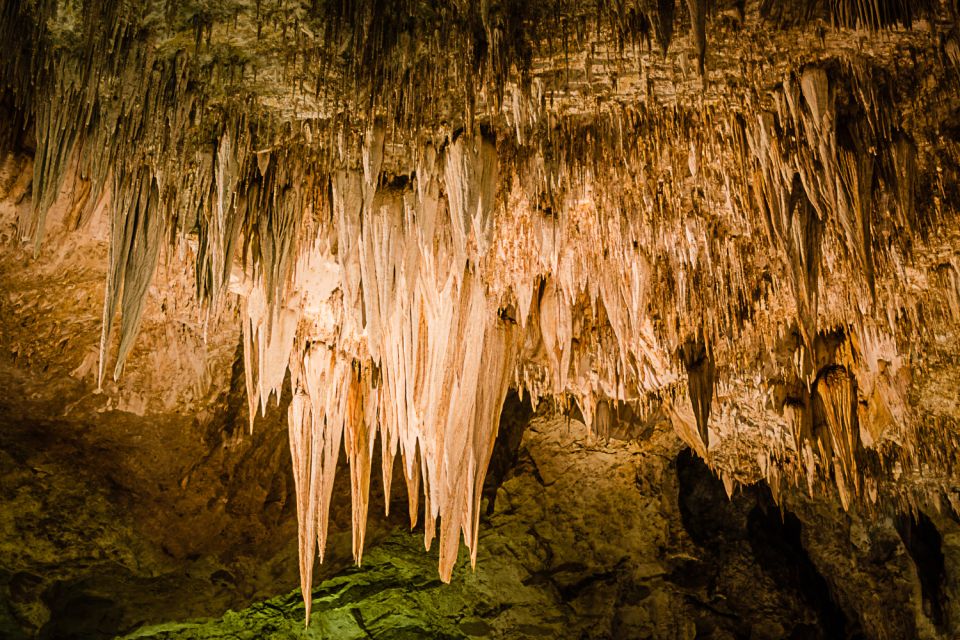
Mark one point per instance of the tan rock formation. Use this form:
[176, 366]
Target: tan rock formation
[410, 208]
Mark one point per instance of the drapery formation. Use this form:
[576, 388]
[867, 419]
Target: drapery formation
[762, 257]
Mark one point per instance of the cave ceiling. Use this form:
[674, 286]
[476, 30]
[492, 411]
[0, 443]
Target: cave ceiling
[739, 218]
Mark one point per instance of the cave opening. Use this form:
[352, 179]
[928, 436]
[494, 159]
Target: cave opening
[514, 418]
[775, 538]
[924, 544]
[750, 528]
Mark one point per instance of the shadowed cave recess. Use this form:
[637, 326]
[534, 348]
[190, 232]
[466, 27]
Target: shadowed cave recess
[479, 319]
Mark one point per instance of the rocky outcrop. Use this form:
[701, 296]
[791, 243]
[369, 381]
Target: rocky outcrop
[678, 560]
[400, 211]
[108, 518]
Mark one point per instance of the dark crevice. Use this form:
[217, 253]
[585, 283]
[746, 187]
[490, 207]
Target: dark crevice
[924, 543]
[514, 418]
[749, 534]
[78, 614]
[708, 516]
[776, 543]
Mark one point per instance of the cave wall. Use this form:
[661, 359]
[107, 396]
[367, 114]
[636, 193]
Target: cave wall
[613, 539]
[740, 218]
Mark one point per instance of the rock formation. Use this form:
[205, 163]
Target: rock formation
[744, 225]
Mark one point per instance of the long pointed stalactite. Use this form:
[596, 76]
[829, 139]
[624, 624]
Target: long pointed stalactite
[410, 239]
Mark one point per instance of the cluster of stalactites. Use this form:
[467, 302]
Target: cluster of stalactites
[129, 134]
[830, 185]
[417, 302]
[603, 298]
[395, 333]
[624, 259]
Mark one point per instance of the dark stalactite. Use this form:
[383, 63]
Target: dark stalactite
[663, 24]
[698, 31]
[701, 370]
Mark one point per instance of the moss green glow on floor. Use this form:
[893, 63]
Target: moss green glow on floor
[551, 563]
[396, 594]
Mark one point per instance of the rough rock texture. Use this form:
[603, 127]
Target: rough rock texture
[118, 501]
[740, 218]
[679, 560]
[111, 520]
[108, 527]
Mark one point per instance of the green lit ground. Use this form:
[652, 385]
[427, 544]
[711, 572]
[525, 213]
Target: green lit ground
[396, 594]
[574, 549]
[595, 540]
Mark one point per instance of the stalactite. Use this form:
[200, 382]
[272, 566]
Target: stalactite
[404, 265]
[56, 136]
[863, 14]
[222, 230]
[663, 24]
[698, 31]
[701, 376]
[471, 177]
[802, 237]
[836, 397]
[136, 233]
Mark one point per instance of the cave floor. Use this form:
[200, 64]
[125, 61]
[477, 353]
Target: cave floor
[593, 539]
